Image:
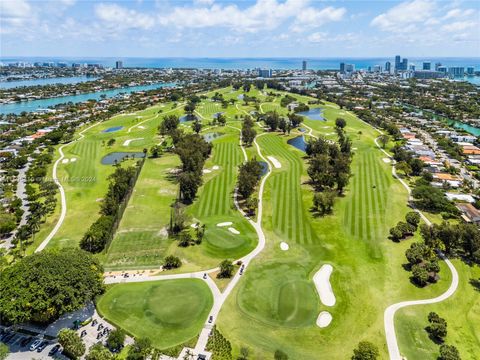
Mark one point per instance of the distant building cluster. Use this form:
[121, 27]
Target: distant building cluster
[404, 70]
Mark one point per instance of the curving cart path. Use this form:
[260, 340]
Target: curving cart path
[389, 314]
[63, 200]
[218, 296]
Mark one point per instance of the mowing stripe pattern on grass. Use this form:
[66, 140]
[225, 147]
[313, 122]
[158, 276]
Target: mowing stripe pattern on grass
[217, 198]
[289, 219]
[366, 212]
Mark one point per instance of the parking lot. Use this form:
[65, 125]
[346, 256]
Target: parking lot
[19, 344]
[20, 340]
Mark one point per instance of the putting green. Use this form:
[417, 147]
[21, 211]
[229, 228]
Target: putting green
[168, 312]
[278, 294]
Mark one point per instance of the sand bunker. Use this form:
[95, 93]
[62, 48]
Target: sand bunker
[206, 171]
[226, 223]
[275, 162]
[64, 161]
[233, 230]
[386, 160]
[284, 246]
[194, 225]
[141, 127]
[322, 283]
[324, 319]
[127, 142]
[215, 167]
[73, 159]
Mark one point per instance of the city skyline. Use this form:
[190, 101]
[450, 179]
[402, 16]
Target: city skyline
[262, 28]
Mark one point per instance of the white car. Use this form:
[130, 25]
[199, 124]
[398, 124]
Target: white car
[35, 344]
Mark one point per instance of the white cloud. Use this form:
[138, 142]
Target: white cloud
[120, 18]
[404, 17]
[317, 37]
[317, 17]
[203, 2]
[262, 15]
[458, 26]
[13, 14]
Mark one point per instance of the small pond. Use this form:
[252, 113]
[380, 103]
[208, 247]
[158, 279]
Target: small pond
[313, 114]
[187, 117]
[113, 129]
[116, 157]
[298, 142]
[264, 167]
[216, 115]
[302, 130]
[209, 137]
[240, 97]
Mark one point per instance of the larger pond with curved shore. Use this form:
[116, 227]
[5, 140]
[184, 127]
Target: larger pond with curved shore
[116, 157]
[313, 114]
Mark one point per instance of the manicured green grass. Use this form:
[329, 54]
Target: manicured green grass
[214, 204]
[367, 276]
[168, 312]
[85, 180]
[141, 239]
[461, 311]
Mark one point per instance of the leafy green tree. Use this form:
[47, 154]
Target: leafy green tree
[171, 262]
[169, 124]
[111, 142]
[384, 139]
[365, 351]
[156, 151]
[7, 223]
[449, 352]
[437, 328]
[99, 352]
[404, 167]
[226, 269]
[72, 345]
[280, 355]
[4, 351]
[140, 350]
[248, 177]
[340, 123]
[413, 218]
[116, 339]
[419, 275]
[48, 284]
[323, 201]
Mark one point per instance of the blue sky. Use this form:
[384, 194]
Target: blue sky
[258, 28]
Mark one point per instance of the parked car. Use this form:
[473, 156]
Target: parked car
[205, 275]
[54, 350]
[100, 327]
[25, 341]
[210, 319]
[83, 333]
[8, 338]
[42, 346]
[94, 322]
[35, 344]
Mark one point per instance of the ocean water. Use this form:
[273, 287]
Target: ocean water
[249, 63]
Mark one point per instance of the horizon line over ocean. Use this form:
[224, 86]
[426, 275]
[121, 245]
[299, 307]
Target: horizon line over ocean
[288, 63]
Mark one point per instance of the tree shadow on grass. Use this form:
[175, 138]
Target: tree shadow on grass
[475, 283]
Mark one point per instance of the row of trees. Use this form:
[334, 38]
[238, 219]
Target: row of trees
[276, 122]
[407, 228]
[248, 177]
[122, 181]
[329, 168]
[193, 151]
[248, 132]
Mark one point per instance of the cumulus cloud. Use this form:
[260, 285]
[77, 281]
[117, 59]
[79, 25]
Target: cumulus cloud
[404, 16]
[117, 17]
[13, 13]
[312, 17]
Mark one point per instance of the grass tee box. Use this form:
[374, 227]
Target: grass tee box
[168, 312]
